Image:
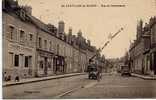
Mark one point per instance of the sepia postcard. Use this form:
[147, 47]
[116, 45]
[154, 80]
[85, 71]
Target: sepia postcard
[78, 49]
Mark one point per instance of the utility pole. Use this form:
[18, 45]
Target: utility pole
[107, 42]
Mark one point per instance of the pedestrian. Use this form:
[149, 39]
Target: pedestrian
[98, 76]
[99, 73]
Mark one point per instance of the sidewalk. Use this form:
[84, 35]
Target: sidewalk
[30, 80]
[146, 77]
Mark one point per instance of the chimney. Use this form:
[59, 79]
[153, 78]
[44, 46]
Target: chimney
[70, 31]
[61, 27]
[28, 9]
[139, 28]
[88, 42]
[79, 34]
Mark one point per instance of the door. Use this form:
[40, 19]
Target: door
[30, 64]
[154, 66]
[45, 66]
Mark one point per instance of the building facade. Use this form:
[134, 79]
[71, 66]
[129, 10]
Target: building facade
[142, 50]
[152, 24]
[19, 47]
[32, 48]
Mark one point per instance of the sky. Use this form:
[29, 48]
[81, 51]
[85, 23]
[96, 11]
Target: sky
[96, 23]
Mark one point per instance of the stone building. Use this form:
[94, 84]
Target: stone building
[137, 50]
[45, 52]
[142, 50]
[147, 43]
[32, 48]
[19, 35]
[152, 24]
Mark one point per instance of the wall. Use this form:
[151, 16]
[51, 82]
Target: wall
[15, 45]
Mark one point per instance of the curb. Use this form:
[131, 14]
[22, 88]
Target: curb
[43, 79]
[144, 77]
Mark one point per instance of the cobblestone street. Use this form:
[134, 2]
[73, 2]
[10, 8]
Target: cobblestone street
[111, 86]
[115, 86]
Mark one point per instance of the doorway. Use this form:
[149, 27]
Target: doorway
[154, 63]
[45, 66]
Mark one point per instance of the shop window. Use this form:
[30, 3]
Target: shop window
[41, 64]
[26, 61]
[16, 60]
[49, 65]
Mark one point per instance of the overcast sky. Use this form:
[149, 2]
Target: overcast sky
[97, 23]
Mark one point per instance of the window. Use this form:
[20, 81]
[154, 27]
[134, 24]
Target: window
[41, 64]
[50, 46]
[30, 37]
[16, 60]
[45, 43]
[40, 42]
[11, 32]
[30, 61]
[26, 61]
[22, 35]
[64, 51]
[49, 64]
[57, 50]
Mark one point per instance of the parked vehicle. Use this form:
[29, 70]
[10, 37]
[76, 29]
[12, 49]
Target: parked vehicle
[92, 71]
[125, 70]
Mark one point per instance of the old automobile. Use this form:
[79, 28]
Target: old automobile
[92, 71]
[125, 70]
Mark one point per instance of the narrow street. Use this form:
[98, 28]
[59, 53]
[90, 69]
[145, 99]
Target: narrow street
[111, 86]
